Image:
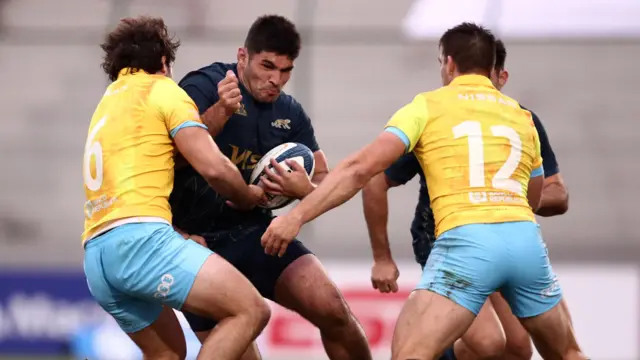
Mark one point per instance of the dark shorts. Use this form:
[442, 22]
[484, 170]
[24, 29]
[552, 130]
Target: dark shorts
[242, 248]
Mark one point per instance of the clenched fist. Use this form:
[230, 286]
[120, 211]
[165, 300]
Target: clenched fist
[229, 93]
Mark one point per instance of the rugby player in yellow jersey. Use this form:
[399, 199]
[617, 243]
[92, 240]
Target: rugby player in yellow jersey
[137, 266]
[481, 156]
[496, 333]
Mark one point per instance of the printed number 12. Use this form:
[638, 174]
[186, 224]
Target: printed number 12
[502, 179]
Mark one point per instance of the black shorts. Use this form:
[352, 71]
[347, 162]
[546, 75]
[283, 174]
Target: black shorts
[241, 247]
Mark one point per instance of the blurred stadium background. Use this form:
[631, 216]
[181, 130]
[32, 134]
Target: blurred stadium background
[575, 63]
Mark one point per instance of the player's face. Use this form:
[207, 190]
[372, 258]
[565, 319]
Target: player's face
[264, 74]
[499, 78]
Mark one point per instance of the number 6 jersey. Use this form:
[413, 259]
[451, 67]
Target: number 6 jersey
[477, 148]
[129, 153]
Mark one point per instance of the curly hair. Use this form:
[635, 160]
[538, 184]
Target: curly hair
[140, 44]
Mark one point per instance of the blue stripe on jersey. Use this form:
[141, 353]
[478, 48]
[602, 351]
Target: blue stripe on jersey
[537, 172]
[186, 124]
[399, 133]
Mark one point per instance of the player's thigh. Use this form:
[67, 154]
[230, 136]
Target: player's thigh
[485, 337]
[428, 324]
[163, 339]
[305, 287]
[220, 290]
[466, 265]
[552, 333]
[518, 339]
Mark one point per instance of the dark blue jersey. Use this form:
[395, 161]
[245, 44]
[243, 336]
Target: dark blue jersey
[423, 225]
[250, 133]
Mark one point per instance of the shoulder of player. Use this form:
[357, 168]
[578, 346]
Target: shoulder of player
[164, 88]
[534, 117]
[214, 72]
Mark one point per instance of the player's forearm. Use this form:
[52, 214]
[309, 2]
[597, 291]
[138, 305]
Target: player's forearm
[228, 182]
[376, 214]
[315, 181]
[340, 185]
[318, 177]
[215, 118]
[555, 199]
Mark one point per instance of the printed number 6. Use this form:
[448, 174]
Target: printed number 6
[92, 148]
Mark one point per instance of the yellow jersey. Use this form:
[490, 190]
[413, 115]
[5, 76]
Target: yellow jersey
[478, 149]
[128, 165]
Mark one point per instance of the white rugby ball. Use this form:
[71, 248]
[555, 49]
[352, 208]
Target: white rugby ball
[294, 151]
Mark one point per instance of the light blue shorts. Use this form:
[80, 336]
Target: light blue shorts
[135, 269]
[470, 262]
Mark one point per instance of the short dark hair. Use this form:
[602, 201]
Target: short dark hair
[138, 43]
[501, 55]
[273, 33]
[472, 47]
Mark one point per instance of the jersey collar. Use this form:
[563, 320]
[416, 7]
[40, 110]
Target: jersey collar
[472, 79]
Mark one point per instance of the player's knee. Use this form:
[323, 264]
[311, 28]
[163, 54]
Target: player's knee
[519, 348]
[335, 314]
[259, 313]
[488, 345]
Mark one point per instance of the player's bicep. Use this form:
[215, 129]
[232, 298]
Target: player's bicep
[409, 122]
[321, 166]
[380, 154]
[198, 148]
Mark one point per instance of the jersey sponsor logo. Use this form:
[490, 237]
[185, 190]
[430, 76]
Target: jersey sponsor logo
[93, 206]
[163, 289]
[244, 159]
[282, 124]
[242, 111]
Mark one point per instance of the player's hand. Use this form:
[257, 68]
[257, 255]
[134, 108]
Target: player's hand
[384, 276]
[257, 197]
[229, 93]
[199, 239]
[280, 234]
[294, 183]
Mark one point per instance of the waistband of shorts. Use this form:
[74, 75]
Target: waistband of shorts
[117, 223]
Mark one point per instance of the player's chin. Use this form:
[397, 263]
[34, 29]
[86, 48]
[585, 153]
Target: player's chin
[269, 96]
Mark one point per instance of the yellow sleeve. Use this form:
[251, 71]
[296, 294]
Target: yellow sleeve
[537, 168]
[409, 122]
[174, 106]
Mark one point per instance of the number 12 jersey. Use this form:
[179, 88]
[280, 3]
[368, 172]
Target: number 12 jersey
[478, 149]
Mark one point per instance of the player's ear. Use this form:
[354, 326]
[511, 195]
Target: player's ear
[451, 66]
[503, 78]
[243, 56]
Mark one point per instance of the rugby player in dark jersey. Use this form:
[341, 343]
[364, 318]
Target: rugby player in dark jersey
[247, 114]
[485, 339]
